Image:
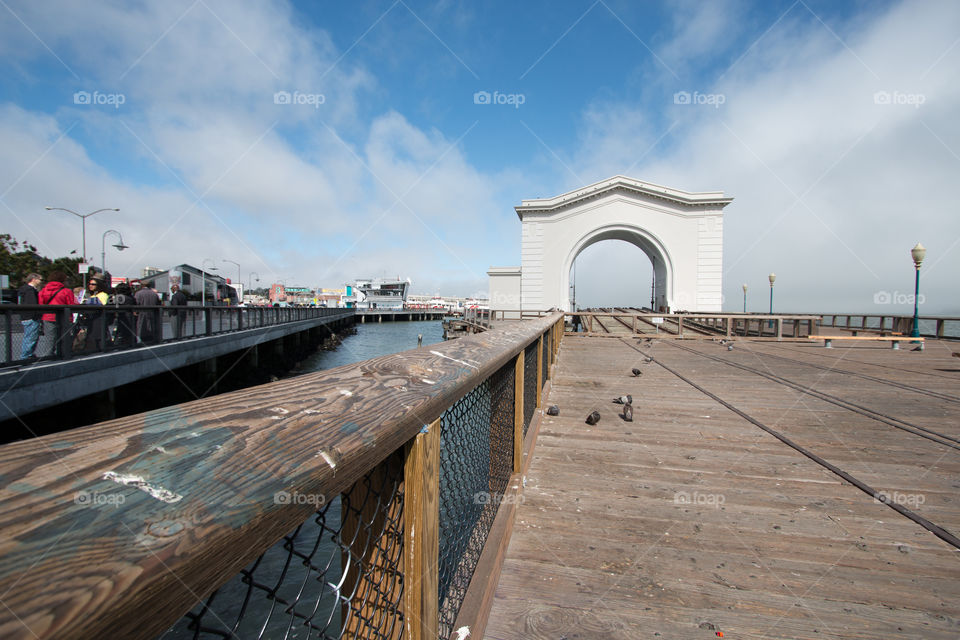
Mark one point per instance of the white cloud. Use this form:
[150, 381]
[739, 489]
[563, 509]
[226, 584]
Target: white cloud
[832, 190]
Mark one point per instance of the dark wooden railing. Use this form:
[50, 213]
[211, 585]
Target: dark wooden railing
[692, 325]
[400, 463]
[941, 327]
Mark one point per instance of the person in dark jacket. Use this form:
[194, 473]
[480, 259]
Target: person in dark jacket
[178, 299]
[27, 294]
[147, 329]
[55, 291]
[123, 297]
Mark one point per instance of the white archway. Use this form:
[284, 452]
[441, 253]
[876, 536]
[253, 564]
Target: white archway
[681, 231]
[640, 238]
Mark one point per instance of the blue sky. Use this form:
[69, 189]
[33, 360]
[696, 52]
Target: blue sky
[389, 167]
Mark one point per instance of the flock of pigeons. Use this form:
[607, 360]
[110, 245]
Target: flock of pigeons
[626, 401]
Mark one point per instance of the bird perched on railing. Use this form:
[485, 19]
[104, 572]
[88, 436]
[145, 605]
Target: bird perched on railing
[593, 418]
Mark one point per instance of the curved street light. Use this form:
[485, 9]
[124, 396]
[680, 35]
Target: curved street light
[203, 280]
[103, 248]
[83, 217]
[250, 278]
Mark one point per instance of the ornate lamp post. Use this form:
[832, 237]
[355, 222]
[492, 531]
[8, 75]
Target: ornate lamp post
[250, 278]
[203, 280]
[771, 277]
[918, 253]
[744, 298]
[103, 248]
[83, 217]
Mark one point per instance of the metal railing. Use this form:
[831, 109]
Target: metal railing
[353, 502]
[85, 329]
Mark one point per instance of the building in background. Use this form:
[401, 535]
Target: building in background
[379, 294]
[190, 280]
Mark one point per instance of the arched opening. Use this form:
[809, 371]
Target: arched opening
[645, 278]
[612, 274]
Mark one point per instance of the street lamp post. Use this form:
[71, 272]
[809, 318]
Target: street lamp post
[239, 282]
[744, 298]
[250, 278]
[771, 277]
[203, 280]
[918, 253]
[83, 217]
[103, 248]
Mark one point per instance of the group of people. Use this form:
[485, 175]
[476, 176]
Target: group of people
[124, 327]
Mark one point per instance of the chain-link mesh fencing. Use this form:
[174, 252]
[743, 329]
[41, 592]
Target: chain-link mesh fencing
[476, 461]
[529, 385]
[337, 575]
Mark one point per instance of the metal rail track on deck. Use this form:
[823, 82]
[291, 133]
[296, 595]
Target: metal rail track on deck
[916, 430]
[933, 528]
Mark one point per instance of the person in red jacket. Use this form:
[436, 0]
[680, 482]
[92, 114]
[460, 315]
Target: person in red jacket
[55, 291]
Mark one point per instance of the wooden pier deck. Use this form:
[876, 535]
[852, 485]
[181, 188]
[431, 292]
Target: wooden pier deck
[693, 520]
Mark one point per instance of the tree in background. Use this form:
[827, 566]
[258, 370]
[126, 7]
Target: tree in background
[17, 259]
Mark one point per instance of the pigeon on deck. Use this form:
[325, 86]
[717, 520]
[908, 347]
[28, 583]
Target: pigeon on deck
[627, 413]
[627, 399]
[553, 410]
[729, 347]
[636, 372]
[593, 418]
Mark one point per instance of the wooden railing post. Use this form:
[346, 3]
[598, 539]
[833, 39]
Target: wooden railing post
[518, 413]
[421, 535]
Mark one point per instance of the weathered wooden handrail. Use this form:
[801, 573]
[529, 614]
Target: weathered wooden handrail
[706, 324]
[200, 481]
[898, 323]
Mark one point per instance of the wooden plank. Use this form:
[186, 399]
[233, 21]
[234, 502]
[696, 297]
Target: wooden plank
[421, 540]
[216, 465]
[617, 536]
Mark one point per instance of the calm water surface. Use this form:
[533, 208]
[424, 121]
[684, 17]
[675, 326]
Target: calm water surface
[374, 339]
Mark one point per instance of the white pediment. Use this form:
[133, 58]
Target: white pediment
[709, 199]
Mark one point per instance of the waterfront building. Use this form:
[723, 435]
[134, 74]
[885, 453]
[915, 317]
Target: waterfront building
[378, 293]
[190, 280]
